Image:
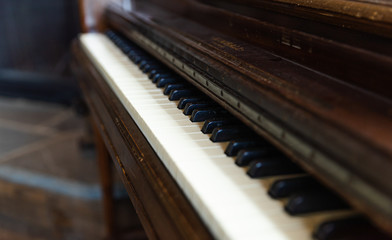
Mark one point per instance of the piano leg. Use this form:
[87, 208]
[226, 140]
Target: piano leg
[106, 179]
[113, 228]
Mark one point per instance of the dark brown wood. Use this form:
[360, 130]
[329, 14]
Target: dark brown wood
[91, 14]
[356, 15]
[161, 206]
[335, 115]
[113, 230]
[336, 37]
[106, 179]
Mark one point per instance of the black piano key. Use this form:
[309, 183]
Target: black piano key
[210, 124]
[122, 44]
[245, 156]
[238, 144]
[177, 94]
[153, 72]
[287, 187]
[170, 87]
[272, 166]
[125, 48]
[117, 40]
[167, 80]
[227, 133]
[129, 50]
[156, 77]
[149, 67]
[133, 56]
[110, 34]
[149, 64]
[314, 201]
[351, 228]
[137, 59]
[189, 107]
[136, 52]
[184, 100]
[201, 115]
[145, 62]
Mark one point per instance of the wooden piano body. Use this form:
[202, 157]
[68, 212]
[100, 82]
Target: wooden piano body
[313, 78]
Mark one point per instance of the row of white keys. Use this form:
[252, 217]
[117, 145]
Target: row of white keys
[233, 205]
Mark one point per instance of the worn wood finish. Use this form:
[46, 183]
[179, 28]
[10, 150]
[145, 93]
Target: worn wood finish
[161, 206]
[337, 118]
[363, 16]
[321, 36]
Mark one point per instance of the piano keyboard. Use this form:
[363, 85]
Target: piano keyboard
[231, 203]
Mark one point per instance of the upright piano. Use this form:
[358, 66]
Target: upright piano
[252, 119]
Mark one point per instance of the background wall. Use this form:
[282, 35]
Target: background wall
[36, 35]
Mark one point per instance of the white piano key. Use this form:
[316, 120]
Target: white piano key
[233, 205]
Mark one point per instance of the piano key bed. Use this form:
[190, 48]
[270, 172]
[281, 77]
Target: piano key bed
[241, 186]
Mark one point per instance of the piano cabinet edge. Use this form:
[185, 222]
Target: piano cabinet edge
[160, 204]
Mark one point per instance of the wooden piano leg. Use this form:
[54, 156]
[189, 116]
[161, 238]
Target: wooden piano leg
[106, 179]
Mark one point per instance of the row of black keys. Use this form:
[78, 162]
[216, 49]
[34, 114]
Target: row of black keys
[306, 195]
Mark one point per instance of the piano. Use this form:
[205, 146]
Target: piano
[256, 119]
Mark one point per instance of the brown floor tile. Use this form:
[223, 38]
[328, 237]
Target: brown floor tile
[24, 111]
[49, 183]
[12, 140]
[60, 156]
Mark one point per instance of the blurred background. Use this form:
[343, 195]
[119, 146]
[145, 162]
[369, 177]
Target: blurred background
[49, 181]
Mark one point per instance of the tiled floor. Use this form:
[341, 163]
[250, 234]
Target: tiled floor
[48, 183]
[48, 133]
